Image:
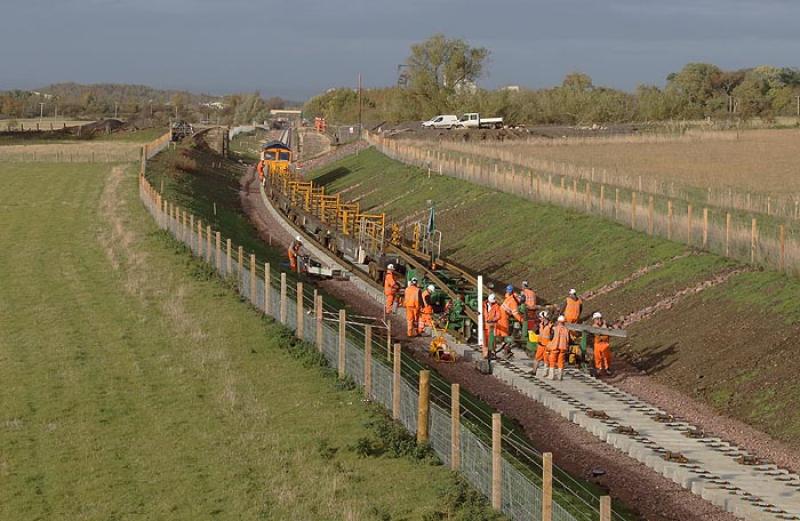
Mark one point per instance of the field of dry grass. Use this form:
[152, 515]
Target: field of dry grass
[44, 123]
[69, 152]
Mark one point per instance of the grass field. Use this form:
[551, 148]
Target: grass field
[44, 124]
[75, 151]
[135, 385]
[703, 345]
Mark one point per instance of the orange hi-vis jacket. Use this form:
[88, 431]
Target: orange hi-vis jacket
[260, 169]
[490, 320]
[545, 333]
[572, 309]
[390, 284]
[412, 297]
[560, 340]
[507, 309]
[602, 341]
[530, 298]
[426, 306]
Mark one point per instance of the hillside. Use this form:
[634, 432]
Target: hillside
[719, 333]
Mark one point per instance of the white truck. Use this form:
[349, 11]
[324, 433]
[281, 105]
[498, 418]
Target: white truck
[474, 120]
[442, 121]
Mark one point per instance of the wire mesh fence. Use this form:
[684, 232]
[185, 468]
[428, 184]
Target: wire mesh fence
[393, 382]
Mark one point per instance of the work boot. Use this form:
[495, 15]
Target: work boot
[560, 374]
[551, 373]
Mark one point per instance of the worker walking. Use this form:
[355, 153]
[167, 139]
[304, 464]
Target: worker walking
[572, 307]
[426, 309]
[544, 336]
[412, 302]
[294, 252]
[557, 350]
[530, 300]
[490, 325]
[602, 347]
[509, 308]
[390, 288]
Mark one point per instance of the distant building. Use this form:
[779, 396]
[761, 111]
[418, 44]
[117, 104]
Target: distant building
[218, 105]
[511, 88]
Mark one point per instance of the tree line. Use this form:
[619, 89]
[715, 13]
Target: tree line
[440, 74]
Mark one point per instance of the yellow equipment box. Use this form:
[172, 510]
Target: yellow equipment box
[533, 338]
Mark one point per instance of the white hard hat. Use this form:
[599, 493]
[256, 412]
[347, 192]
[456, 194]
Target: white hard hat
[573, 292]
[524, 283]
[414, 280]
[431, 288]
[492, 298]
[543, 315]
[390, 267]
[597, 314]
[561, 318]
[299, 239]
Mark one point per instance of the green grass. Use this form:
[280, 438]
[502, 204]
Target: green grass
[144, 135]
[136, 385]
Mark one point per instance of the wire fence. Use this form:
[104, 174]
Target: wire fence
[493, 458]
[766, 240]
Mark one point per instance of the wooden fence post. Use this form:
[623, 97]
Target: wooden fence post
[616, 203]
[300, 313]
[753, 239]
[200, 238]
[633, 210]
[497, 461]
[208, 244]
[782, 237]
[602, 198]
[689, 225]
[318, 312]
[241, 260]
[547, 486]
[669, 219]
[423, 405]
[342, 343]
[282, 314]
[367, 362]
[728, 234]
[396, 383]
[267, 289]
[253, 280]
[605, 508]
[705, 228]
[228, 260]
[455, 426]
[650, 209]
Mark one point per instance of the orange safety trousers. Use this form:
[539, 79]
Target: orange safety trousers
[425, 319]
[412, 320]
[602, 356]
[292, 260]
[541, 352]
[390, 298]
[556, 358]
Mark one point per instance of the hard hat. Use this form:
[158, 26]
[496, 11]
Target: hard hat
[299, 239]
[390, 267]
[524, 283]
[573, 292]
[597, 314]
[414, 280]
[431, 288]
[543, 315]
[561, 318]
[492, 298]
[509, 289]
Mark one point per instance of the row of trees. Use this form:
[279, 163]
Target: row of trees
[441, 75]
[138, 103]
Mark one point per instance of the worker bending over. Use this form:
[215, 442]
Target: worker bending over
[557, 350]
[509, 308]
[490, 320]
[390, 288]
[412, 301]
[602, 347]
[530, 300]
[426, 309]
[544, 336]
[294, 252]
[572, 307]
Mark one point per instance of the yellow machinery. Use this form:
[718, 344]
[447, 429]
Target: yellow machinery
[439, 349]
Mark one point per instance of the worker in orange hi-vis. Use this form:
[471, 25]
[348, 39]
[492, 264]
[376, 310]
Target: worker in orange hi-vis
[412, 301]
[557, 350]
[530, 300]
[294, 252]
[509, 308]
[260, 169]
[602, 347]
[545, 334]
[492, 315]
[426, 310]
[390, 288]
[572, 307]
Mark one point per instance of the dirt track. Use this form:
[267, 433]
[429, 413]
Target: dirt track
[574, 449]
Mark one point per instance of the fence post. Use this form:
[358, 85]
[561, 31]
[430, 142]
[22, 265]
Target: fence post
[228, 260]
[605, 508]
[200, 238]
[455, 426]
[241, 260]
[669, 219]
[547, 486]
[753, 238]
[253, 279]
[318, 312]
[300, 312]
[267, 289]
[782, 236]
[650, 208]
[616, 203]
[689, 225]
[208, 244]
[705, 228]
[367, 361]
[283, 299]
[728, 234]
[218, 257]
[423, 405]
[497, 461]
[396, 383]
[602, 198]
[190, 234]
[633, 210]
[342, 342]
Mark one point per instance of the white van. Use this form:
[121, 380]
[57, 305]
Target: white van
[441, 121]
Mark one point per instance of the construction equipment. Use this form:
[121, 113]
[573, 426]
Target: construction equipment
[439, 348]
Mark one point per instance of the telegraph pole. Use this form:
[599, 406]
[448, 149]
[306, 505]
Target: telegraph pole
[41, 111]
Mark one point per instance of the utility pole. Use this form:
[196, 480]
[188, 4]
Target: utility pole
[359, 106]
[41, 111]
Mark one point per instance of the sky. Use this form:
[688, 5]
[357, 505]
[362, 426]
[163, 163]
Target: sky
[297, 48]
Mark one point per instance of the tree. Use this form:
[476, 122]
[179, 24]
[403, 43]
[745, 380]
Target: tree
[694, 85]
[577, 81]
